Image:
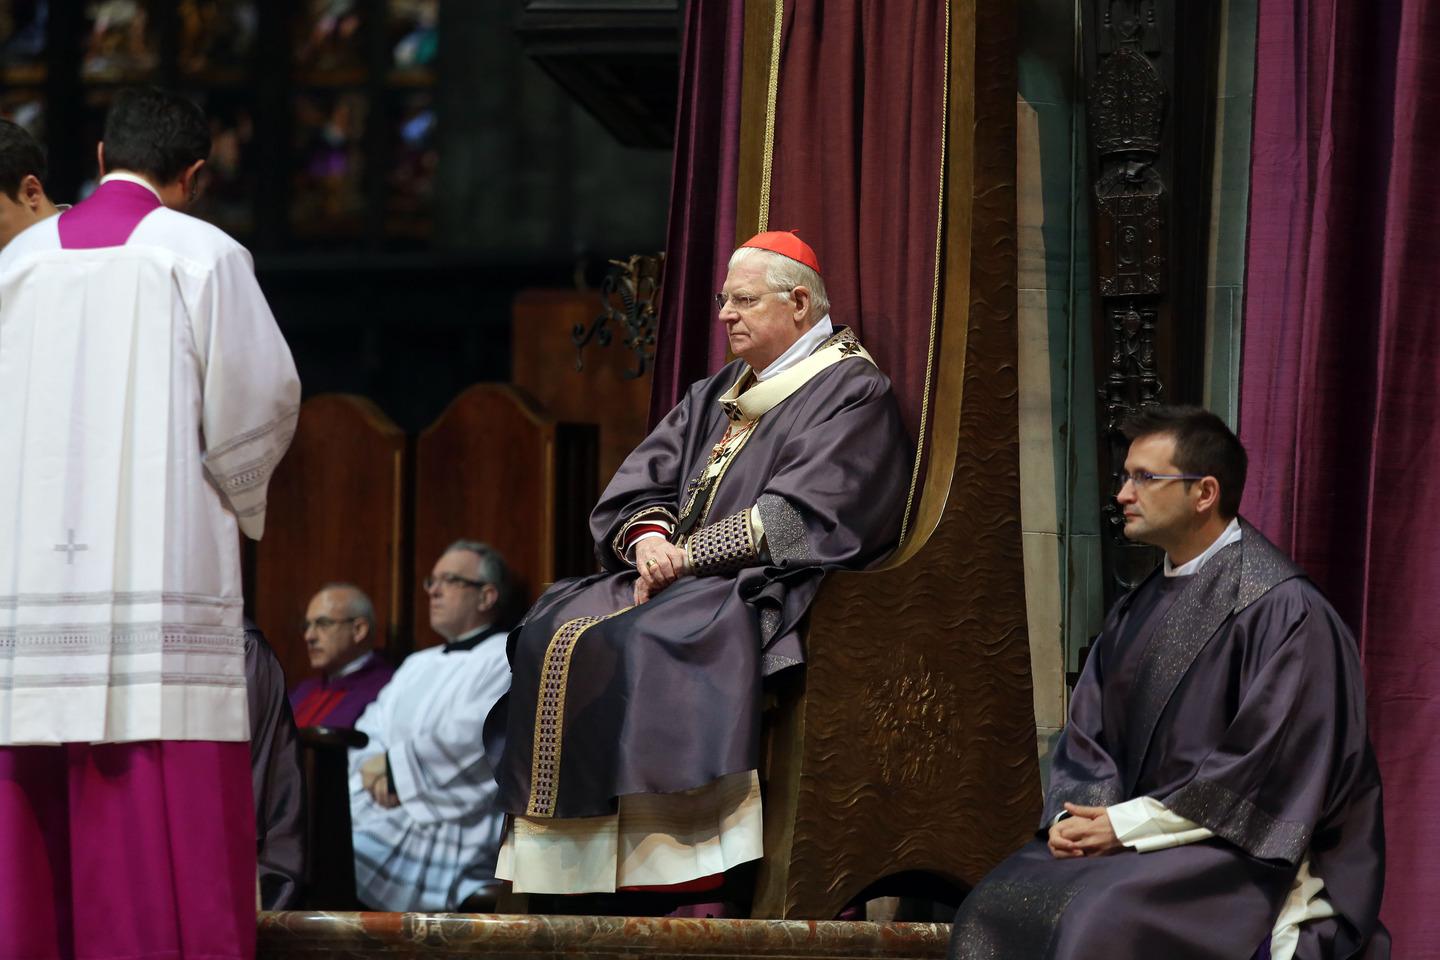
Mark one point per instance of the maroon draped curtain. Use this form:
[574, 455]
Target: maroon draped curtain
[856, 169]
[1341, 377]
[859, 131]
[701, 230]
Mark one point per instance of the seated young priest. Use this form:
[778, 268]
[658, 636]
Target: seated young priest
[632, 733]
[1214, 789]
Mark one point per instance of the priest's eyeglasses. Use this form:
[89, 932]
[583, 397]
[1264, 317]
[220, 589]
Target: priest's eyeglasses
[743, 301]
[324, 623]
[450, 580]
[1143, 478]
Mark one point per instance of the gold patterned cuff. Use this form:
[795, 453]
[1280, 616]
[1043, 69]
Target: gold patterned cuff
[661, 515]
[725, 546]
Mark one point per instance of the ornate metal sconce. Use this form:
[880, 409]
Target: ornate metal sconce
[628, 298]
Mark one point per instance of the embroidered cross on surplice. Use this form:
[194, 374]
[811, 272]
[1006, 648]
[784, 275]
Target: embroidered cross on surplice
[70, 548]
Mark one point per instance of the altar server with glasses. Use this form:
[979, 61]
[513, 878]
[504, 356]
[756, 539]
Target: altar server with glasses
[427, 825]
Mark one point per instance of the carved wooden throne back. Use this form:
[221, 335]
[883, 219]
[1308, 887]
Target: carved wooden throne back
[908, 744]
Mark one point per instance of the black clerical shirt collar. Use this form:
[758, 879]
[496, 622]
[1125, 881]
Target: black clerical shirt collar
[469, 641]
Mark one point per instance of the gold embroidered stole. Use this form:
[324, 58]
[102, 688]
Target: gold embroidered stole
[744, 404]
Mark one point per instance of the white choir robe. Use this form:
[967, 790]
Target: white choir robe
[440, 844]
[147, 396]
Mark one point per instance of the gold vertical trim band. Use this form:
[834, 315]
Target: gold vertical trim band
[549, 736]
[935, 287]
[772, 94]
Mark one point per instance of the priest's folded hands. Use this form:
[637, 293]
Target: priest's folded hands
[1087, 832]
[659, 563]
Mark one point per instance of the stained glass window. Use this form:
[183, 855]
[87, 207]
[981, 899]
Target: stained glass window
[328, 42]
[217, 39]
[328, 195]
[414, 38]
[228, 180]
[410, 187]
[27, 108]
[119, 44]
[22, 52]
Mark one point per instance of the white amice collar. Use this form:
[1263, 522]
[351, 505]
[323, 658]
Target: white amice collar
[354, 666]
[808, 343]
[750, 400]
[1229, 536]
[129, 177]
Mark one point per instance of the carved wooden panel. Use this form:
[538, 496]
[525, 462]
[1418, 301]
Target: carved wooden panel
[336, 508]
[1130, 231]
[496, 468]
[542, 364]
[1150, 69]
[1127, 103]
[911, 746]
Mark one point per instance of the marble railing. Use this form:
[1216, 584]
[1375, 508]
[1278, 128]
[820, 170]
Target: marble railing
[424, 935]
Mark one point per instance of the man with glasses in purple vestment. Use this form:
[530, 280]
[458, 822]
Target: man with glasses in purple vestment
[339, 632]
[1214, 790]
[147, 397]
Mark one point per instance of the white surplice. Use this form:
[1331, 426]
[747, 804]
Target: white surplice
[439, 845]
[146, 396]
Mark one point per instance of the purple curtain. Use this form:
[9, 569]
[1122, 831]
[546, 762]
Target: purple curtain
[701, 231]
[856, 169]
[1341, 372]
[858, 137]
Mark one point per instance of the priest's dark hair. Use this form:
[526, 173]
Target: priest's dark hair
[20, 156]
[1203, 445]
[155, 133]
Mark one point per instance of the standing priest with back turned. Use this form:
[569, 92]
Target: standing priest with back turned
[1214, 790]
[634, 712]
[147, 396]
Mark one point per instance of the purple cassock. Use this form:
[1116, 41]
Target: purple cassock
[609, 699]
[339, 701]
[1235, 698]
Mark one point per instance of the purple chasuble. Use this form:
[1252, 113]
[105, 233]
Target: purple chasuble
[665, 696]
[1235, 698]
[107, 217]
[339, 701]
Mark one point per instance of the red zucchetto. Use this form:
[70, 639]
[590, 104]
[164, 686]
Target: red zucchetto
[787, 243]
